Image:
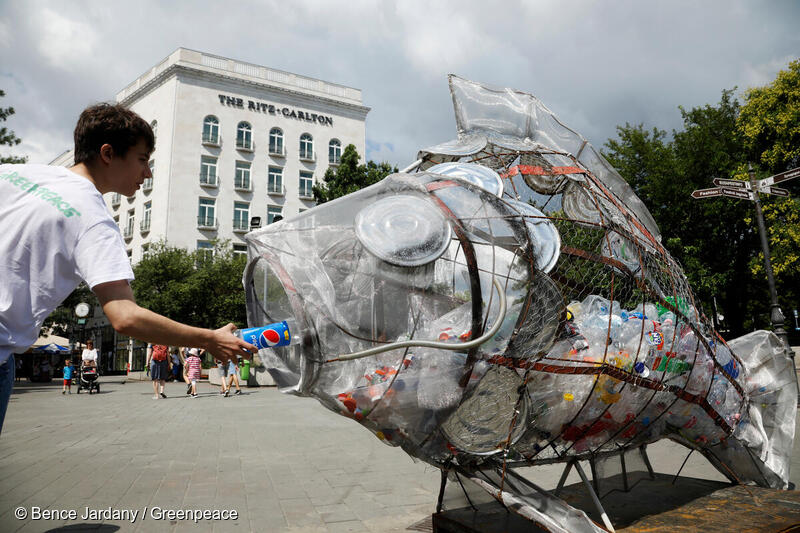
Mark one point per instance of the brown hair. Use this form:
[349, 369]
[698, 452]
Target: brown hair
[109, 124]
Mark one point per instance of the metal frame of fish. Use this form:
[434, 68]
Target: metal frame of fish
[506, 301]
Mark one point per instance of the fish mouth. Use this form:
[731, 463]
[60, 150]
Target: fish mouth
[272, 298]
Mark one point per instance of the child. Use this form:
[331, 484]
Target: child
[67, 387]
[193, 369]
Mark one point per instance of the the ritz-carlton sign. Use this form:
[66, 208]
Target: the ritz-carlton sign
[263, 107]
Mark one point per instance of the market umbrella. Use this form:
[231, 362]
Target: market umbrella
[51, 348]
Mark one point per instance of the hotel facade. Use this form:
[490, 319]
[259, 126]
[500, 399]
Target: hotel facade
[234, 141]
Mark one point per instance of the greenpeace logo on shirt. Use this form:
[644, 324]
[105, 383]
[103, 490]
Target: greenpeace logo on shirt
[43, 193]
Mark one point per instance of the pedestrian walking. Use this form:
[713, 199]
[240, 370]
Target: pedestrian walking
[158, 365]
[67, 386]
[193, 369]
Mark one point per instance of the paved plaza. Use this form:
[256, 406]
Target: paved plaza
[280, 462]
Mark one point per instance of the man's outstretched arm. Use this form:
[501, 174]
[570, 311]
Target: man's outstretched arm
[128, 318]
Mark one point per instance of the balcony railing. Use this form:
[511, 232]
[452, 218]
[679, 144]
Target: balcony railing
[308, 156]
[209, 180]
[116, 198]
[144, 225]
[277, 151]
[212, 139]
[128, 231]
[241, 184]
[147, 185]
[206, 222]
[334, 161]
[306, 193]
[244, 145]
[276, 189]
[240, 224]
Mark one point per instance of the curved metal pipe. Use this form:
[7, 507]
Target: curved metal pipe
[461, 346]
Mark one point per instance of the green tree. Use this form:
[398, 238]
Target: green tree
[350, 176]
[770, 124]
[198, 288]
[7, 137]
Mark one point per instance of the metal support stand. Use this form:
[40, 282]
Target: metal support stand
[594, 497]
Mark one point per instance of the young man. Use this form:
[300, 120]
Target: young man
[56, 231]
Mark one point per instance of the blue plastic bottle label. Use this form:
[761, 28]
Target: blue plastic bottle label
[269, 336]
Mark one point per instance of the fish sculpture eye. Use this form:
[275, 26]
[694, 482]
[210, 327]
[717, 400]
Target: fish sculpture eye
[403, 230]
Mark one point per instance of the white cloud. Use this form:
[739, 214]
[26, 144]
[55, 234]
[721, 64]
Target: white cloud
[64, 41]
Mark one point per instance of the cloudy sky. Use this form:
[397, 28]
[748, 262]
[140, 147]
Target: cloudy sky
[596, 64]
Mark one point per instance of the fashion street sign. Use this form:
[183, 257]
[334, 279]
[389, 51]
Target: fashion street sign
[707, 193]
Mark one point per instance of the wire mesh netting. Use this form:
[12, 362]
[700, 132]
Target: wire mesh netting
[507, 301]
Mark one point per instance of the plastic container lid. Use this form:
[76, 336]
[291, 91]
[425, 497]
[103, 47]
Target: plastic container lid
[546, 240]
[479, 175]
[403, 230]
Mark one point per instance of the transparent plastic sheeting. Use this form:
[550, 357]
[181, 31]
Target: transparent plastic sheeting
[601, 345]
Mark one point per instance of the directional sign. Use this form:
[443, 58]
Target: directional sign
[777, 191]
[732, 184]
[707, 193]
[777, 178]
[737, 193]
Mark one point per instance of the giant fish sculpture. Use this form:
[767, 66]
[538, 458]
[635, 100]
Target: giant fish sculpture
[506, 301]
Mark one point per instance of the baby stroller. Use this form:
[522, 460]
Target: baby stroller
[88, 379]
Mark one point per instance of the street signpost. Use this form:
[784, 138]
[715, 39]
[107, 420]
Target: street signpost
[742, 194]
[777, 191]
[706, 193]
[732, 184]
[749, 191]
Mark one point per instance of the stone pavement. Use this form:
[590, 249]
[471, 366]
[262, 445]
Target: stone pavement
[282, 463]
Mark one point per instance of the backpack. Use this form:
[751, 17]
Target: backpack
[160, 352]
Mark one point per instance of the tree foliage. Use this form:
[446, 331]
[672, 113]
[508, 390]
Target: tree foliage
[350, 177]
[7, 137]
[197, 288]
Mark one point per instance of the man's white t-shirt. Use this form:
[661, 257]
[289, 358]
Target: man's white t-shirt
[55, 231]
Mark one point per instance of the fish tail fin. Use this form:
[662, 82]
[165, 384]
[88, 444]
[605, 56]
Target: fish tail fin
[760, 448]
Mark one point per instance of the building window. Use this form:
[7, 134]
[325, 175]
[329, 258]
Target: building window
[147, 184]
[242, 179]
[116, 220]
[205, 213]
[115, 199]
[145, 224]
[334, 152]
[244, 136]
[240, 250]
[211, 130]
[241, 216]
[128, 233]
[276, 141]
[306, 147]
[272, 212]
[145, 249]
[205, 251]
[306, 182]
[154, 127]
[275, 180]
[208, 170]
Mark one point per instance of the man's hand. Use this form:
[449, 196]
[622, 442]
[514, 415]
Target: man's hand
[225, 346]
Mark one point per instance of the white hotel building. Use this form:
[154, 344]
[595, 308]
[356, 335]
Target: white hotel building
[234, 140]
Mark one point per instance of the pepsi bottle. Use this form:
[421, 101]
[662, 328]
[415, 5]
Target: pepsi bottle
[270, 336]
